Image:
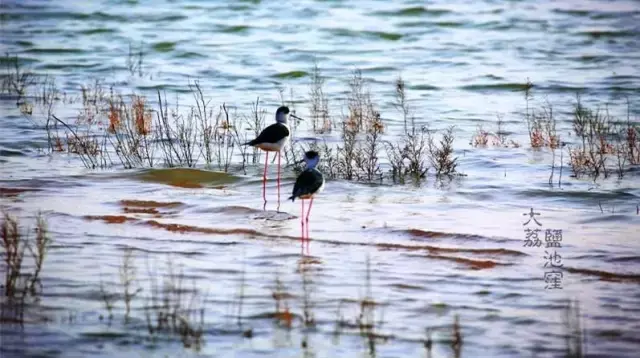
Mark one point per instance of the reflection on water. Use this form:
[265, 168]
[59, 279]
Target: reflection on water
[152, 261]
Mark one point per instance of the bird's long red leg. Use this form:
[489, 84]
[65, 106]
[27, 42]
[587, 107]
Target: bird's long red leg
[264, 179]
[278, 182]
[307, 221]
[302, 225]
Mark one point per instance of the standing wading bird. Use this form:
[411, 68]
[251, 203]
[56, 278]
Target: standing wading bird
[309, 183]
[273, 139]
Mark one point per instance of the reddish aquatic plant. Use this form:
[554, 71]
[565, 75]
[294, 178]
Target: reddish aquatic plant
[537, 138]
[110, 219]
[140, 210]
[150, 203]
[113, 117]
[141, 116]
[481, 138]
[58, 146]
[470, 263]
[12, 192]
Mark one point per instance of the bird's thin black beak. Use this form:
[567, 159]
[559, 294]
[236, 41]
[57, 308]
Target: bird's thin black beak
[296, 117]
[300, 161]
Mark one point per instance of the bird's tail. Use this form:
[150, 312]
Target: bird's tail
[251, 142]
[292, 198]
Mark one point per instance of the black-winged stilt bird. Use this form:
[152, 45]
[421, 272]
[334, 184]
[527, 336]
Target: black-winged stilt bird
[273, 139]
[309, 183]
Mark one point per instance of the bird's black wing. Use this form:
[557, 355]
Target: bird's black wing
[308, 182]
[271, 134]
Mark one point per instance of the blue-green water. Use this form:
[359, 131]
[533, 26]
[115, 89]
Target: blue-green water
[464, 63]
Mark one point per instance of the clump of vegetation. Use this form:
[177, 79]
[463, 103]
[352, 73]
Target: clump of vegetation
[111, 129]
[541, 123]
[319, 103]
[441, 154]
[409, 156]
[357, 155]
[358, 159]
[499, 138]
[601, 140]
[16, 81]
[134, 132]
[21, 280]
[171, 308]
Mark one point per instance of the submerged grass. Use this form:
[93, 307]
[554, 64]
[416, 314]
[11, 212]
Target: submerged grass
[173, 309]
[22, 284]
[168, 308]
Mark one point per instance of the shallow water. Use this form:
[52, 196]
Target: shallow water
[435, 250]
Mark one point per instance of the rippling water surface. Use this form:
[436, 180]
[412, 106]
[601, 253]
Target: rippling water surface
[436, 250]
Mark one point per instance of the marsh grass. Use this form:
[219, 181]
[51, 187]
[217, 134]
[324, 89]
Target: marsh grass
[135, 59]
[111, 126]
[602, 141]
[456, 337]
[130, 126]
[139, 134]
[604, 145]
[409, 156]
[282, 316]
[318, 103]
[22, 271]
[135, 132]
[441, 153]
[128, 280]
[255, 123]
[170, 309]
[498, 138]
[173, 309]
[575, 334]
[17, 80]
[308, 305]
[108, 299]
[364, 323]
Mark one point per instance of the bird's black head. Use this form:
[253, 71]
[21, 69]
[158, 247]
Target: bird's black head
[311, 159]
[281, 114]
[311, 154]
